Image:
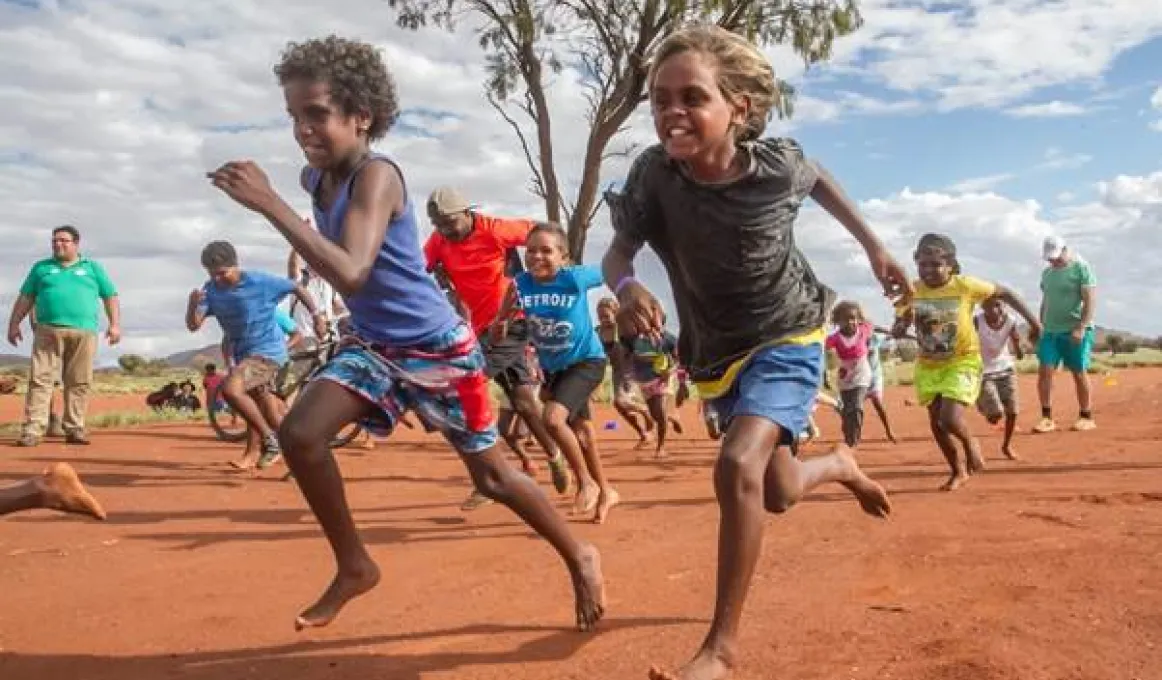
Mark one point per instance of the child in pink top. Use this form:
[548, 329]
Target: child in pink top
[849, 342]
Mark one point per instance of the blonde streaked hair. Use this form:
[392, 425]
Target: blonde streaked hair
[744, 72]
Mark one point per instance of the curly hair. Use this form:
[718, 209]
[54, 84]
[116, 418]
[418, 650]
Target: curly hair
[218, 254]
[354, 71]
[845, 307]
[743, 70]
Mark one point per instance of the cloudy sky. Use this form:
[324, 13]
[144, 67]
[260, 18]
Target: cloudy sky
[995, 121]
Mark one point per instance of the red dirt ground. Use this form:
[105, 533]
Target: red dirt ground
[1043, 569]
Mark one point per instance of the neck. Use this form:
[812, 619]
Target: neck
[346, 165]
[68, 259]
[720, 165]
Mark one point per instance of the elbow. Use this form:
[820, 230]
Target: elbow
[352, 281]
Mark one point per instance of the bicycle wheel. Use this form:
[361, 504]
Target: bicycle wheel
[228, 426]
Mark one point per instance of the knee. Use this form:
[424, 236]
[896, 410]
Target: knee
[556, 419]
[491, 480]
[737, 473]
[297, 438]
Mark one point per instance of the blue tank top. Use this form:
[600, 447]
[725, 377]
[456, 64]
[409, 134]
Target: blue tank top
[400, 303]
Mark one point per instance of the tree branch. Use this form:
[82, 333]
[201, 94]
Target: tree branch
[538, 180]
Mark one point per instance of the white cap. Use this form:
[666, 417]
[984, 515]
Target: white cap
[1053, 247]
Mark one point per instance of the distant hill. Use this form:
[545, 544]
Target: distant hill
[13, 360]
[195, 358]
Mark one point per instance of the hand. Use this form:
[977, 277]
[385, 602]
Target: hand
[1078, 334]
[246, 183]
[498, 331]
[640, 313]
[197, 296]
[890, 274]
[15, 335]
[113, 334]
[321, 328]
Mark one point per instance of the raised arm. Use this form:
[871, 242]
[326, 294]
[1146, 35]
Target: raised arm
[195, 314]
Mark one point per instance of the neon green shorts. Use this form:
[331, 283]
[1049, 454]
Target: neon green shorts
[958, 380]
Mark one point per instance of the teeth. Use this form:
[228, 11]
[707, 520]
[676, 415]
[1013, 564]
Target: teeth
[677, 132]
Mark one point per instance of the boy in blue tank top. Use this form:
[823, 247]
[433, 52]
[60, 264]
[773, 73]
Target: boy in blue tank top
[408, 349]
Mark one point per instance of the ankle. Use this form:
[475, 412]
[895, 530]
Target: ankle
[1047, 412]
[1085, 414]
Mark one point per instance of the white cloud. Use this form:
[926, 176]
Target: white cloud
[978, 184]
[115, 109]
[1156, 104]
[1053, 109]
[1056, 159]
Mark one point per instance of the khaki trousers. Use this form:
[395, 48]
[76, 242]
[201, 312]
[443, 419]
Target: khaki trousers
[64, 352]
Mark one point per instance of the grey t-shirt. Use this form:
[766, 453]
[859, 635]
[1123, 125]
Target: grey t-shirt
[738, 279]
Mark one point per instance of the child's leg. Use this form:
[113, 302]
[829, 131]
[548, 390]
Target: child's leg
[318, 414]
[250, 453]
[556, 420]
[57, 488]
[852, 415]
[587, 438]
[250, 375]
[1007, 390]
[947, 446]
[878, 403]
[506, 423]
[953, 422]
[631, 414]
[526, 403]
[751, 474]
[496, 479]
[657, 406]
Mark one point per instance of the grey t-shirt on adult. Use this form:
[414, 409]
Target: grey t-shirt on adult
[729, 249]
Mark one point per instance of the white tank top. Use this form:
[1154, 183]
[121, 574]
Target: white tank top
[994, 344]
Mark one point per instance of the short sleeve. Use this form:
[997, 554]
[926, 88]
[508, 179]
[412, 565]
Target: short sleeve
[277, 287]
[977, 290]
[1087, 278]
[31, 282]
[509, 233]
[105, 287]
[587, 277]
[635, 212]
[433, 250]
[285, 322]
[831, 342]
[784, 157]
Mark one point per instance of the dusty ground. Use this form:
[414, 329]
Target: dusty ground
[1044, 569]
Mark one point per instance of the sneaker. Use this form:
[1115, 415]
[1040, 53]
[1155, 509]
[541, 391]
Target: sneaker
[271, 453]
[1084, 425]
[475, 500]
[1045, 425]
[559, 471]
[28, 441]
[77, 438]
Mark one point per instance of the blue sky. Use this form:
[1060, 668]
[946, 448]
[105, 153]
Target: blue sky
[996, 121]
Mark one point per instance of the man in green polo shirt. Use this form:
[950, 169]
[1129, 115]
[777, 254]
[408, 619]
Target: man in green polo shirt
[63, 291]
[1068, 303]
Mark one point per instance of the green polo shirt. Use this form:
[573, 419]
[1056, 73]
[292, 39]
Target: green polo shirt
[1062, 287]
[68, 296]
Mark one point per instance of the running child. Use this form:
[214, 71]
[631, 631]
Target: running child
[997, 330]
[555, 300]
[245, 304]
[654, 366]
[875, 393]
[625, 401]
[851, 345]
[717, 204]
[948, 368]
[407, 348]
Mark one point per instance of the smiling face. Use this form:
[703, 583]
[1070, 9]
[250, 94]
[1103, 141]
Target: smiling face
[544, 254]
[692, 117]
[848, 320]
[454, 227]
[327, 135]
[994, 310]
[934, 268]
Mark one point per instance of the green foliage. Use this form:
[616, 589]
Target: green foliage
[131, 363]
[610, 42]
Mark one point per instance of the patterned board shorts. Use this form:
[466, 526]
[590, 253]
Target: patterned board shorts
[258, 373]
[443, 381]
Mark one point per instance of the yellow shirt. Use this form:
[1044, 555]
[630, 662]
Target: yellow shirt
[942, 318]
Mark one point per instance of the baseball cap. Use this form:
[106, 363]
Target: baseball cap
[447, 201]
[1052, 247]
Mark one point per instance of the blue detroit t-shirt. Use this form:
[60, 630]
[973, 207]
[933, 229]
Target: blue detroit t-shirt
[558, 314]
[246, 314]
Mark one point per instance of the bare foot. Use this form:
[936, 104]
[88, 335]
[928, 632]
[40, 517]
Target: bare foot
[676, 424]
[957, 480]
[605, 502]
[661, 453]
[643, 442]
[871, 496]
[62, 490]
[1009, 452]
[345, 587]
[706, 666]
[248, 461]
[975, 460]
[588, 588]
[586, 499]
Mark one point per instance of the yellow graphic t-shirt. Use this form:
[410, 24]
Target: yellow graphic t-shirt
[942, 318]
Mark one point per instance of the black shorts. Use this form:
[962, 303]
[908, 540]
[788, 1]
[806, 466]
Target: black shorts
[508, 362]
[573, 386]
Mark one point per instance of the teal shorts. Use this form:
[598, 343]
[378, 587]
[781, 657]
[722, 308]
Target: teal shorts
[1059, 349]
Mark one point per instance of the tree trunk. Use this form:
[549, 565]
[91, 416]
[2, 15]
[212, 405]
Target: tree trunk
[532, 74]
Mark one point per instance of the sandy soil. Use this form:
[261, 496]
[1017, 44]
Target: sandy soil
[1042, 569]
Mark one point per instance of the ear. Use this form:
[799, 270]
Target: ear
[741, 106]
[363, 120]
